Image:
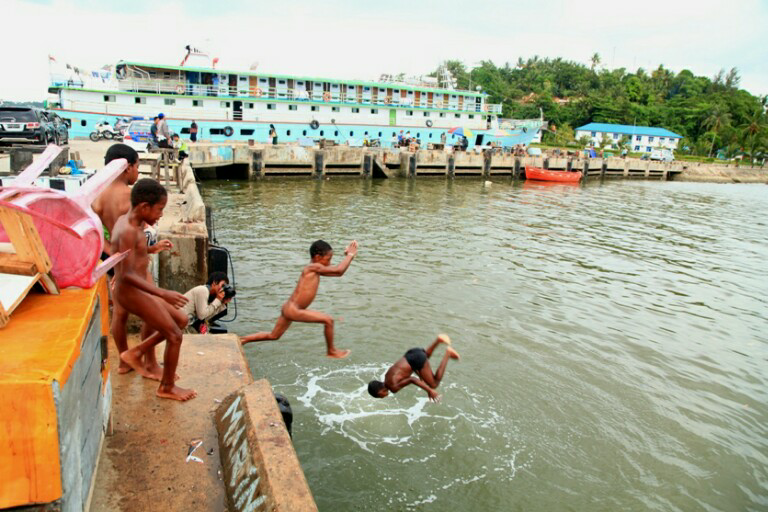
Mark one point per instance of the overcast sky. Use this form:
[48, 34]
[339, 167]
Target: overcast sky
[360, 39]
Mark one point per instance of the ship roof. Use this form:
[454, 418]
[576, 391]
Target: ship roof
[389, 85]
[629, 130]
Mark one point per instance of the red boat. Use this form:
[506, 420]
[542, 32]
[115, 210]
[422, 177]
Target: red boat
[535, 173]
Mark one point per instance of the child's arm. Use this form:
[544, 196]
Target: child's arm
[338, 270]
[162, 245]
[397, 386]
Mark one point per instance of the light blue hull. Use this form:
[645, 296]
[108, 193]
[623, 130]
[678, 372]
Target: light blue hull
[83, 124]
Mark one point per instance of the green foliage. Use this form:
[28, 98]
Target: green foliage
[710, 113]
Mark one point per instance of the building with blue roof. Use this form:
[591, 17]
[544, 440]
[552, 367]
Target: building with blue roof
[642, 138]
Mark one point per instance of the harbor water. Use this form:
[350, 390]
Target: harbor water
[613, 336]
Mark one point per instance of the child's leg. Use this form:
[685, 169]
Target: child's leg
[117, 328]
[156, 313]
[441, 338]
[433, 380]
[305, 315]
[280, 327]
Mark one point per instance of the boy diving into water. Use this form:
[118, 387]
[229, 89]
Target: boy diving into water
[416, 361]
[295, 309]
[158, 308]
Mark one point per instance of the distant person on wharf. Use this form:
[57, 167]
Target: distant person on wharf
[273, 134]
[193, 132]
[164, 134]
[153, 131]
[416, 360]
[295, 309]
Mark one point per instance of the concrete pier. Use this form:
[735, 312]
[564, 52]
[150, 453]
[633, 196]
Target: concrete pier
[260, 161]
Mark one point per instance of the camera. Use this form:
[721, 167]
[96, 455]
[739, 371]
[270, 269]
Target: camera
[229, 291]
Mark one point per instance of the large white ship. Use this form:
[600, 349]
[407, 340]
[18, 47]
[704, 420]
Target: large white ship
[240, 105]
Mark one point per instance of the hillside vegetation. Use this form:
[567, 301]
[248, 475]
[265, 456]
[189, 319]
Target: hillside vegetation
[712, 114]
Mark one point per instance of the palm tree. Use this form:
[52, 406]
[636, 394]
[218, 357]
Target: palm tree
[595, 60]
[717, 119]
[754, 132]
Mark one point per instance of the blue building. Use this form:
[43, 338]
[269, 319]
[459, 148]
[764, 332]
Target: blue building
[641, 138]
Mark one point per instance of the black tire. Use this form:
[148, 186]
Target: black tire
[94, 136]
[108, 135]
[314, 124]
[228, 131]
[429, 123]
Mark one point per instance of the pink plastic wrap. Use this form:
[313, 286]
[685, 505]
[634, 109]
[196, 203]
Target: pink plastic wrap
[70, 230]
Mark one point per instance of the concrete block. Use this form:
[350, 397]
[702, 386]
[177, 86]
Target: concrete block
[260, 469]
[186, 265]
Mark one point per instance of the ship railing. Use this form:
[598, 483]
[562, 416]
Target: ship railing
[340, 96]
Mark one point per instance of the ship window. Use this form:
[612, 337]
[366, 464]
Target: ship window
[288, 133]
[374, 111]
[442, 114]
[83, 122]
[334, 109]
[304, 133]
[281, 82]
[247, 131]
[250, 105]
[409, 112]
[167, 74]
[426, 114]
[140, 100]
[225, 104]
[169, 101]
[271, 106]
[197, 103]
[315, 108]
[418, 135]
[471, 116]
[394, 134]
[379, 134]
[184, 130]
[216, 131]
[430, 135]
[292, 107]
[355, 110]
[321, 133]
[457, 116]
[109, 97]
[351, 134]
[366, 133]
[336, 133]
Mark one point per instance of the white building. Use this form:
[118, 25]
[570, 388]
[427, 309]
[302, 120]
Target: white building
[642, 139]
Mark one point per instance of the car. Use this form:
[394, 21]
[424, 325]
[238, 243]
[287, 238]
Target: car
[137, 134]
[662, 155]
[29, 125]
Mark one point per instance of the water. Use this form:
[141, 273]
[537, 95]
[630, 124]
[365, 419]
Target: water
[613, 340]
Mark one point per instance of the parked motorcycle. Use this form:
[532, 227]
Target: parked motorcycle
[104, 130]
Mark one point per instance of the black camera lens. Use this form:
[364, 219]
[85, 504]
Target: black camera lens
[229, 291]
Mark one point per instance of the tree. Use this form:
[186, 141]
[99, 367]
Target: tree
[718, 118]
[584, 141]
[595, 60]
[604, 142]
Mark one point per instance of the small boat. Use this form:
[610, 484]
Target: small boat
[535, 173]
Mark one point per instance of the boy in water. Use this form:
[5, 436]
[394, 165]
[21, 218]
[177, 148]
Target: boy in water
[415, 360]
[295, 309]
[158, 308]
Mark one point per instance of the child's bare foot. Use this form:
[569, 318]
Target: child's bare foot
[338, 354]
[156, 372]
[123, 368]
[452, 353]
[175, 393]
[443, 338]
[133, 360]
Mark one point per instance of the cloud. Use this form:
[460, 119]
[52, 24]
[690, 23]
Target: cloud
[348, 39]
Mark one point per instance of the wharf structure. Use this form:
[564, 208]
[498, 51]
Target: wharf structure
[246, 105]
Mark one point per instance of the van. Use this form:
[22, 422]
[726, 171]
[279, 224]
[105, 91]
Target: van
[534, 151]
[662, 155]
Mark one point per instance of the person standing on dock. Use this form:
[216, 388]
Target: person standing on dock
[273, 134]
[164, 134]
[193, 131]
[295, 308]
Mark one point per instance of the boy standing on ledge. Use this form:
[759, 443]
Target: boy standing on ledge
[415, 360]
[295, 309]
[158, 308]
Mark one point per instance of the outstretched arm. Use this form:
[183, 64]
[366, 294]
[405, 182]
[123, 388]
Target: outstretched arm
[397, 386]
[338, 270]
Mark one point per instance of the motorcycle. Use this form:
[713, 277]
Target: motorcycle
[104, 130]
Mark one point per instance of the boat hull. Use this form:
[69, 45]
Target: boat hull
[535, 173]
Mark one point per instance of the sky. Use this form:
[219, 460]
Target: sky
[356, 39]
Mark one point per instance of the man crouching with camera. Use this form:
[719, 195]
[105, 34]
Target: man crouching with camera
[208, 302]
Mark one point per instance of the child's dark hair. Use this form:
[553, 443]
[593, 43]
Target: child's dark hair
[374, 387]
[147, 190]
[215, 277]
[116, 151]
[320, 248]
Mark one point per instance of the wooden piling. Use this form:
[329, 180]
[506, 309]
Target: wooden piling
[451, 166]
[256, 165]
[487, 157]
[319, 169]
[367, 165]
